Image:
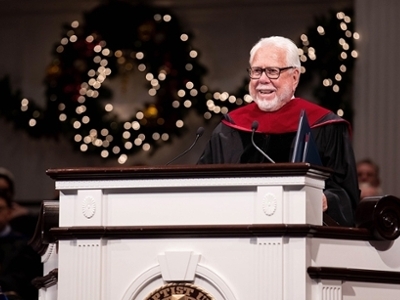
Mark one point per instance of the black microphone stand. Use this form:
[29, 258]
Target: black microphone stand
[199, 133]
[254, 127]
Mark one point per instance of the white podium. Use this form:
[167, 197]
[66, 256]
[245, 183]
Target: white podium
[221, 232]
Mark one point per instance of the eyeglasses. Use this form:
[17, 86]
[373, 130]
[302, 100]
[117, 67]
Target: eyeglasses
[271, 72]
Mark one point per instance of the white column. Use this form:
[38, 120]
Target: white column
[269, 268]
[80, 272]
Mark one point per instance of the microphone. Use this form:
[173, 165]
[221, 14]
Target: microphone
[199, 133]
[254, 127]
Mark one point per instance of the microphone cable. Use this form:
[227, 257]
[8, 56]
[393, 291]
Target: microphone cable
[254, 127]
[199, 133]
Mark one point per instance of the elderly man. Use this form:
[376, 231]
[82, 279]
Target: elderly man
[274, 75]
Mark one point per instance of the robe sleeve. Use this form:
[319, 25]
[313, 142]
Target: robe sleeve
[341, 188]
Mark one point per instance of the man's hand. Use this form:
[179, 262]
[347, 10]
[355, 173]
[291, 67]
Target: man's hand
[324, 203]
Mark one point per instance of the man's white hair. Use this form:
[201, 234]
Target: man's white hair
[292, 52]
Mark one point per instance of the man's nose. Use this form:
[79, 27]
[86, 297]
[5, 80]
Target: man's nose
[264, 77]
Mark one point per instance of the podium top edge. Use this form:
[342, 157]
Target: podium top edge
[190, 171]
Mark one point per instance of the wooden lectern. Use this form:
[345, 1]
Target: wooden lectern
[221, 232]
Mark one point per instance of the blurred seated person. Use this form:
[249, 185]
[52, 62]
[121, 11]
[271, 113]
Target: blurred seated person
[274, 75]
[368, 178]
[368, 171]
[19, 263]
[21, 219]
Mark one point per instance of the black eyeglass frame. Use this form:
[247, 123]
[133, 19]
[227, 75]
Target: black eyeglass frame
[264, 70]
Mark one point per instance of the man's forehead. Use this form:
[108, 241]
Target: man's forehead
[269, 54]
[366, 166]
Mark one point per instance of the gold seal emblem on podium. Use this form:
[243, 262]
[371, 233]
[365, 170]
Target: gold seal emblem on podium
[179, 291]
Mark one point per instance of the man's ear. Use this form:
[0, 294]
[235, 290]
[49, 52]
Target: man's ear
[296, 78]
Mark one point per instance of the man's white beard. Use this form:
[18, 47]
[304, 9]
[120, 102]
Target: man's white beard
[268, 105]
[274, 104]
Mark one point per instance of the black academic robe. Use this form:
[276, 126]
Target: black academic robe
[231, 143]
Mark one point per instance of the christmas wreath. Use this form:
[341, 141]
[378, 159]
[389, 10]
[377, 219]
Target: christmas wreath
[119, 39]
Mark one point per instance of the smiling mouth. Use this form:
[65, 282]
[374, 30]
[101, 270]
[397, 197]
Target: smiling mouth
[266, 92]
